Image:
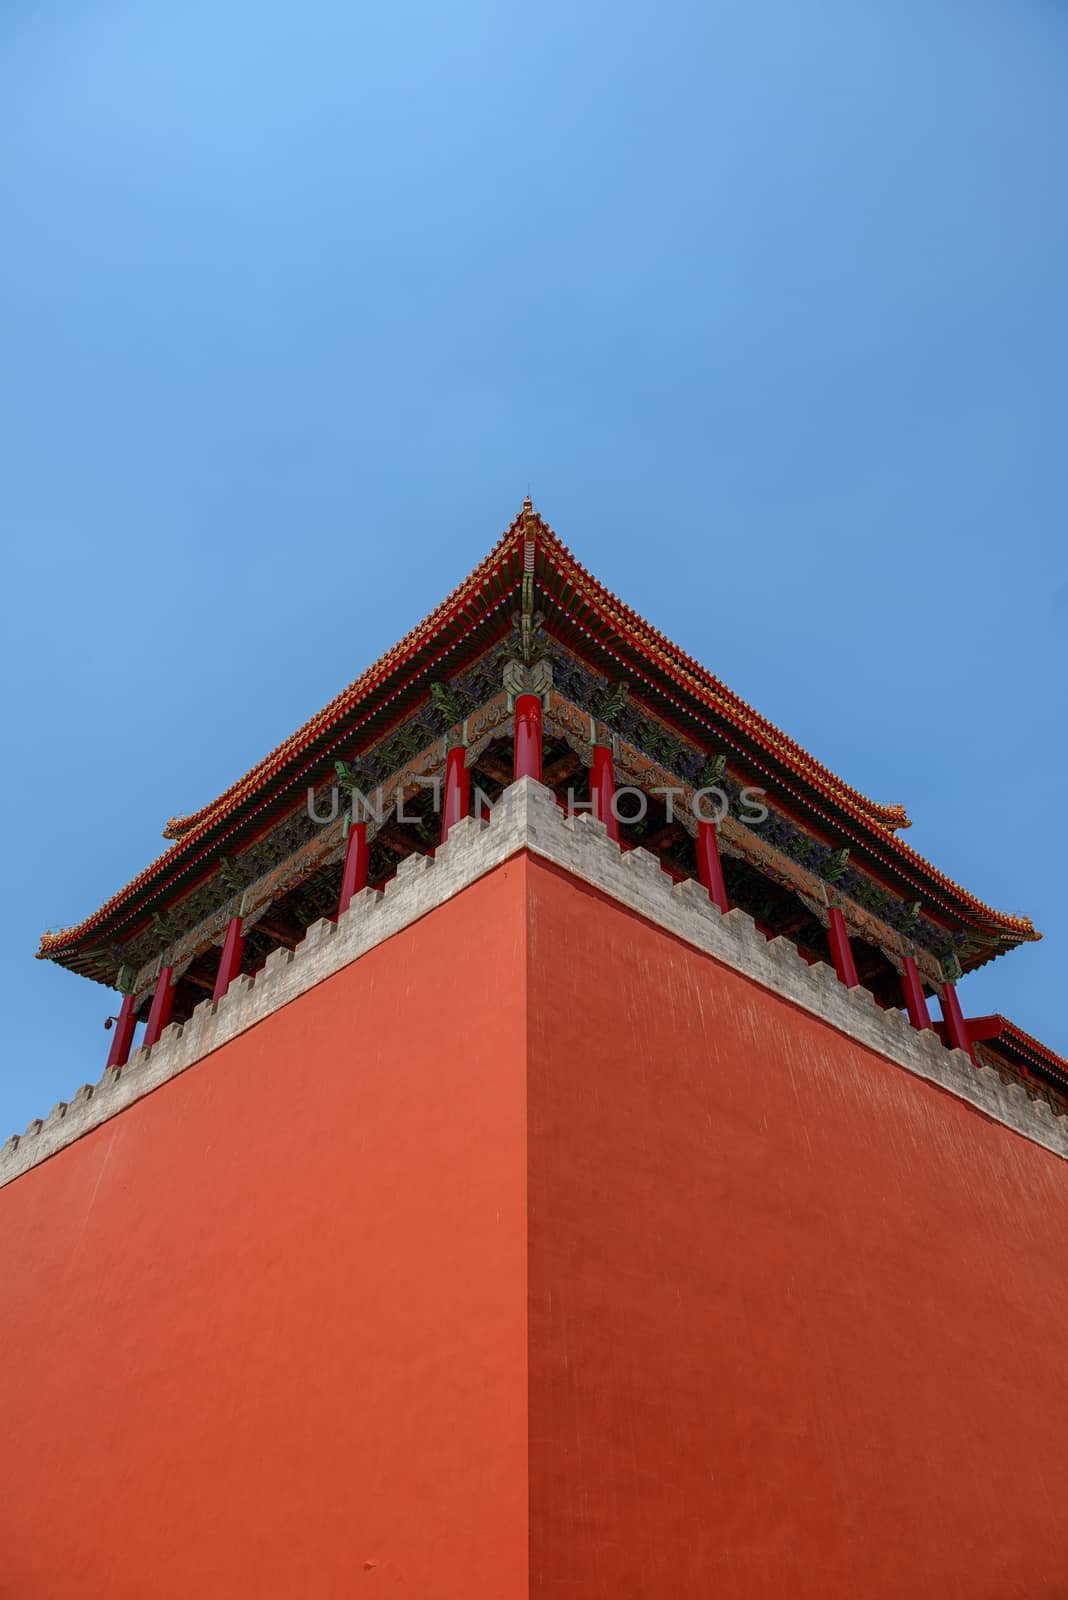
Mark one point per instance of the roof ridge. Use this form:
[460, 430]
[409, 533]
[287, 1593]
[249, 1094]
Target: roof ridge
[893, 815]
[528, 528]
[1029, 1040]
[179, 827]
[887, 818]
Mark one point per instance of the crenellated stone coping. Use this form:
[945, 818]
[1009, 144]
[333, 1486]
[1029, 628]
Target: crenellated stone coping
[526, 817]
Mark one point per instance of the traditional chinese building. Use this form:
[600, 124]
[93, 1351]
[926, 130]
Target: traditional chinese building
[540, 1171]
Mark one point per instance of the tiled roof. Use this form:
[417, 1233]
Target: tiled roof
[999, 1031]
[475, 604]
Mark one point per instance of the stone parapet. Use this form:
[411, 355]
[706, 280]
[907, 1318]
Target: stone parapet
[527, 818]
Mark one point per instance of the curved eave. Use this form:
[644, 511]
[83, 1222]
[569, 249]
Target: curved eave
[1031, 1051]
[576, 589]
[221, 832]
[466, 623]
[490, 583]
[637, 648]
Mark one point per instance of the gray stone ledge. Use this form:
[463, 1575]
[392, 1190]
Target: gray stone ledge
[527, 818]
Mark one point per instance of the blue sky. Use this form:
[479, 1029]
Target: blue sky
[765, 303]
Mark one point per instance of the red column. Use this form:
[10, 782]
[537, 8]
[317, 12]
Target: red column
[354, 875]
[457, 789]
[230, 960]
[122, 1038]
[603, 789]
[527, 761]
[160, 1011]
[915, 999]
[709, 866]
[956, 1027]
[841, 954]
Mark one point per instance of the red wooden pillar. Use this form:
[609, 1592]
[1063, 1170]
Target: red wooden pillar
[160, 1011]
[122, 1039]
[915, 999]
[603, 789]
[709, 866]
[230, 960]
[354, 874]
[956, 1027]
[457, 789]
[527, 760]
[841, 954]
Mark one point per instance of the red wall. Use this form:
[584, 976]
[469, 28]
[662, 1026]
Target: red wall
[772, 1317]
[799, 1321]
[269, 1325]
